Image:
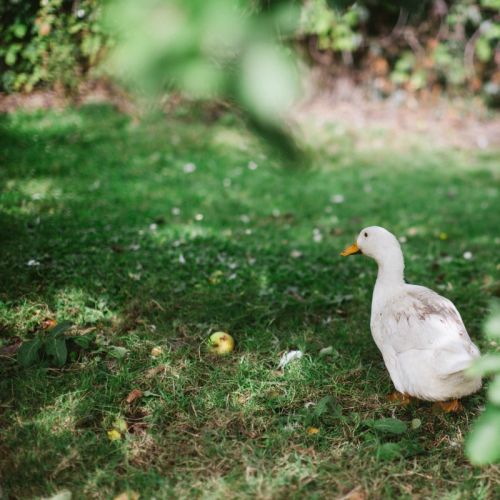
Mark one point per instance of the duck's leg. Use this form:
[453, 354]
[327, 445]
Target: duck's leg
[452, 406]
[399, 397]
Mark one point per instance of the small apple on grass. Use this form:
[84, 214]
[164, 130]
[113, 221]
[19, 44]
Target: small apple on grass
[220, 343]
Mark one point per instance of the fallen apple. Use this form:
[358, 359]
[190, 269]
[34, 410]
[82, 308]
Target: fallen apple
[220, 343]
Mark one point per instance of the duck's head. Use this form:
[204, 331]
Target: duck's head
[375, 242]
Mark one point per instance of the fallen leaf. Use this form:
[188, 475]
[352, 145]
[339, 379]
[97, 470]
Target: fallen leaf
[355, 494]
[152, 372]
[326, 351]
[48, 323]
[133, 395]
[128, 495]
[11, 349]
[60, 495]
[114, 435]
[288, 357]
[312, 431]
[120, 425]
[156, 351]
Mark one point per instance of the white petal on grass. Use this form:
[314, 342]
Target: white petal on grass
[252, 165]
[189, 168]
[176, 211]
[32, 263]
[153, 226]
[402, 239]
[317, 236]
[198, 217]
[288, 357]
[337, 198]
[326, 351]
[245, 219]
[182, 260]
[296, 254]
[467, 255]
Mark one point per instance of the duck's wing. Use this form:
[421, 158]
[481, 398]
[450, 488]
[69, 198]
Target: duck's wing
[421, 319]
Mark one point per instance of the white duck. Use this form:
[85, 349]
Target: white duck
[420, 334]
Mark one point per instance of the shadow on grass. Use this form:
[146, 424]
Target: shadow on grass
[161, 232]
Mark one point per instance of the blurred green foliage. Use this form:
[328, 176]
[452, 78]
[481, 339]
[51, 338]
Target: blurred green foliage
[409, 44]
[229, 49]
[208, 49]
[483, 445]
[48, 42]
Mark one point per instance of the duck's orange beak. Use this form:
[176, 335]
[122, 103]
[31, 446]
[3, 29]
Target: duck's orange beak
[351, 250]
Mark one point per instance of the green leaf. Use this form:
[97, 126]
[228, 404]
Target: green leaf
[60, 329]
[486, 365]
[83, 341]
[482, 446]
[56, 348]
[389, 451]
[494, 391]
[10, 58]
[20, 30]
[388, 425]
[483, 49]
[492, 324]
[29, 352]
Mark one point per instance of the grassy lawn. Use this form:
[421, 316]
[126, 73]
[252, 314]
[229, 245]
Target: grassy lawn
[128, 243]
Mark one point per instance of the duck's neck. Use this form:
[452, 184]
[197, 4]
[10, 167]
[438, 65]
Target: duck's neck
[391, 268]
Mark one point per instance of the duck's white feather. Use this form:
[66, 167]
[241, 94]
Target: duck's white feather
[425, 345]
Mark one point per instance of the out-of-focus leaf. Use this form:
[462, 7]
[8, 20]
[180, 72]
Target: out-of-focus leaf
[492, 324]
[268, 82]
[483, 49]
[483, 444]
[494, 391]
[486, 365]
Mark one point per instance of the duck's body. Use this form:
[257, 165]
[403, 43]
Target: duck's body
[420, 334]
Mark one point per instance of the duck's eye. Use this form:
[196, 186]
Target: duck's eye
[366, 235]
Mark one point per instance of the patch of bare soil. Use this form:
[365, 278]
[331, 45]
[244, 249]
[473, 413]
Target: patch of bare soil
[400, 118]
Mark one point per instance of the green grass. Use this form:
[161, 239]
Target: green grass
[107, 210]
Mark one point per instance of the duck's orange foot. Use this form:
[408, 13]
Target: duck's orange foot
[453, 406]
[399, 397]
